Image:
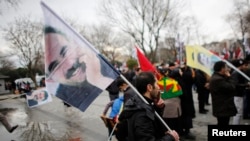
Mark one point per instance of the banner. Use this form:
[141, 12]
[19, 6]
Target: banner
[38, 97]
[201, 58]
[75, 71]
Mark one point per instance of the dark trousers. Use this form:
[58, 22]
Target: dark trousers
[174, 123]
[207, 97]
[223, 121]
[246, 103]
[187, 124]
[201, 100]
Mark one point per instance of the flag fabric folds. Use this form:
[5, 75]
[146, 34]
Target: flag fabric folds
[169, 87]
[201, 58]
[145, 64]
[75, 71]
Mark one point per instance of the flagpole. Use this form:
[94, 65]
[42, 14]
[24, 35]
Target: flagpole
[180, 48]
[236, 69]
[233, 67]
[112, 132]
[144, 100]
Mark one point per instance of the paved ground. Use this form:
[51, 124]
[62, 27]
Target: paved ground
[70, 122]
[202, 120]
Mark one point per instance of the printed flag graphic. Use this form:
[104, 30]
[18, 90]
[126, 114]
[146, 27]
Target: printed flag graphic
[75, 71]
[38, 97]
[201, 58]
[169, 88]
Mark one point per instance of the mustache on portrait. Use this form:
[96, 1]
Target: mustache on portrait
[74, 67]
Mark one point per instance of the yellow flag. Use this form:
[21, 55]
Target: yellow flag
[200, 58]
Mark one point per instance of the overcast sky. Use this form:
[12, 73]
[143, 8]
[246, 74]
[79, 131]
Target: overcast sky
[209, 13]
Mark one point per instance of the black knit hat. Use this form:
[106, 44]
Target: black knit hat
[171, 64]
[120, 82]
[239, 62]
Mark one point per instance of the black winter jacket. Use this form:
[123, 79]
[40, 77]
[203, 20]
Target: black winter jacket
[144, 125]
[222, 91]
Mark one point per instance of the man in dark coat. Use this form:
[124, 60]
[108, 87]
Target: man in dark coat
[222, 91]
[142, 122]
[241, 84]
[246, 102]
[187, 104]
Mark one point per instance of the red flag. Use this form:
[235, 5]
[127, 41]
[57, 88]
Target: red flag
[145, 64]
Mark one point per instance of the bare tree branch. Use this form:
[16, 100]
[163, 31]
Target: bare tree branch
[8, 3]
[25, 38]
[141, 19]
[107, 41]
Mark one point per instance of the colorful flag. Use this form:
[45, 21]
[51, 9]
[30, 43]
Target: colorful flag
[169, 87]
[75, 71]
[145, 64]
[38, 97]
[201, 58]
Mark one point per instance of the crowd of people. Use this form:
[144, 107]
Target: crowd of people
[227, 87]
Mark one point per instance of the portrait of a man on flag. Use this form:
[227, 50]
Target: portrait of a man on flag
[201, 58]
[38, 97]
[75, 72]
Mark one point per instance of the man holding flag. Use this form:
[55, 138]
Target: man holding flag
[142, 123]
[77, 73]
